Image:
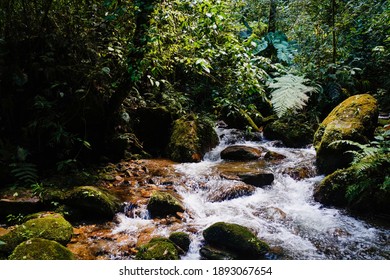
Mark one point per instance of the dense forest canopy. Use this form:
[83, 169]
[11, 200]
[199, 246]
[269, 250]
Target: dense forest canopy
[78, 78]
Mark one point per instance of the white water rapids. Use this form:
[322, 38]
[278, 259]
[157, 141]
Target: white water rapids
[283, 214]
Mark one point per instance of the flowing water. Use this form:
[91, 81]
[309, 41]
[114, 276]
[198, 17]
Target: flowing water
[283, 214]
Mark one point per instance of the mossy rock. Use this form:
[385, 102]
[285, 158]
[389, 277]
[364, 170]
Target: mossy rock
[162, 204]
[364, 193]
[192, 136]
[353, 119]
[237, 239]
[158, 249]
[293, 131]
[89, 202]
[211, 253]
[41, 249]
[181, 239]
[52, 228]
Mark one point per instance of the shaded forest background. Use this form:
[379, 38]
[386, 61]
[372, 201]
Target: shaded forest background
[96, 80]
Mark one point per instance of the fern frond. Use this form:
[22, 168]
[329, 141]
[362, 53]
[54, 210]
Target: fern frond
[25, 172]
[290, 93]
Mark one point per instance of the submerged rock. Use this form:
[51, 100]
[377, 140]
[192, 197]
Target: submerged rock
[52, 228]
[353, 119]
[258, 180]
[241, 152]
[237, 239]
[41, 249]
[227, 189]
[158, 249]
[162, 204]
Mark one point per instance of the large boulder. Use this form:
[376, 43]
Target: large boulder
[241, 152]
[191, 138]
[41, 249]
[237, 239]
[365, 192]
[162, 204]
[52, 227]
[353, 119]
[90, 202]
[158, 249]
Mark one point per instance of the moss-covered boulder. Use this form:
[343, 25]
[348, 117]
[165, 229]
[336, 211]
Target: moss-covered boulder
[181, 239]
[162, 204]
[52, 228]
[158, 249]
[293, 131]
[191, 138]
[41, 249]
[241, 153]
[211, 253]
[89, 202]
[365, 192]
[237, 239]
[353, 119]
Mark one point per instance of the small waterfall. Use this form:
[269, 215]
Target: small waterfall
[283, 214]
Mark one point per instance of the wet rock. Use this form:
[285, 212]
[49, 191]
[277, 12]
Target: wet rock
[237, 239]
[301, 172]
[257, 179]
[353, 119]
[158, 249]
[191, 138]
[270, 155]
[274, 213]
[162, 204]
[211, 253]
[226, 190]
[41, 249]
[52, 228]
[181, 239]
[89, 202]
[240, 152]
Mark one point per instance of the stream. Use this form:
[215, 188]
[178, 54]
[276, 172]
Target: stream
[284, 214]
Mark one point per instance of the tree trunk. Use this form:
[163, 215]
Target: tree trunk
[334, 42]
[272, 16]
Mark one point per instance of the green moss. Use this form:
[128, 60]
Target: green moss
[191, 137]
[162, 204]
[293, 131]
[52, 228]
[41, 249]
[354, 119]
[158, 249]
[90, 201]
[181, 239]
[237, 239]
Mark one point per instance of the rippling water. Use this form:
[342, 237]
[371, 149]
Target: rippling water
[283, 214]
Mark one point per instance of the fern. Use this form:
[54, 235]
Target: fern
[24, 172]
[370, 164]
[290, 93]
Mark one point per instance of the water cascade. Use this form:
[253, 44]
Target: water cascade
[283, 213]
